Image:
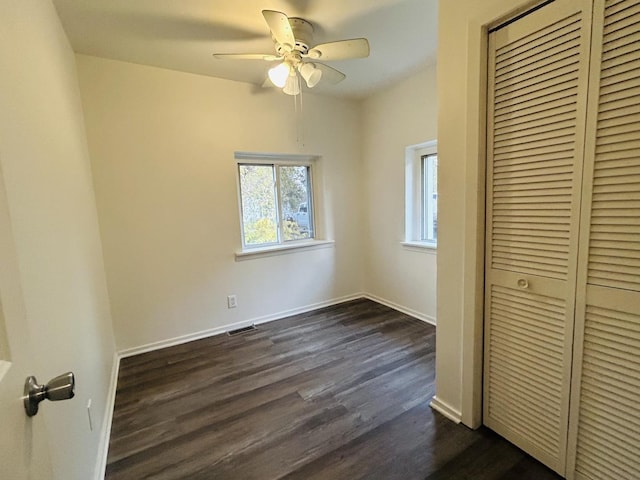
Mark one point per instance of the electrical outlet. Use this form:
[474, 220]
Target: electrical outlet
[232, 301]
[89, 415]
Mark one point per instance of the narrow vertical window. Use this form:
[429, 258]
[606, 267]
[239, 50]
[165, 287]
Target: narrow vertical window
[421, 195]
[429, 205]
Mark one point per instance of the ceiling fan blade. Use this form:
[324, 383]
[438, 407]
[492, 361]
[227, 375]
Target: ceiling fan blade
[246, 56]
[341, 50]
[280, 28]
[330, 74]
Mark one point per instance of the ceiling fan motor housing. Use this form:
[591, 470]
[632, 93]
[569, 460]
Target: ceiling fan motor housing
[302, 32]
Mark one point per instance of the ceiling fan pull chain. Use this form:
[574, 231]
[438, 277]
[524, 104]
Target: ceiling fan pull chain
[296, 119]
[297, 99]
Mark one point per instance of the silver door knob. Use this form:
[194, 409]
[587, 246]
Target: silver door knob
[60, 388]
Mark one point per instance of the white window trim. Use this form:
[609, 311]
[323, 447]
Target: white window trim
[413, 196]
[294, 245]
[421, 246]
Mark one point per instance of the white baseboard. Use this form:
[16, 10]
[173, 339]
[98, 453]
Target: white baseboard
[170, 342]
[446, 410]
[401, 308]
[105, 432]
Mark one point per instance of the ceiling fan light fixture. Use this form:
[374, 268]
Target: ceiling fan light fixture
[280, 74]
[292, 86]
[293, 40]
[311, 74]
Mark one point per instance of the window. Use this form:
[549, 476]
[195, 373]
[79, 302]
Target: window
[429, 193]
[421, 201]
[276, 202]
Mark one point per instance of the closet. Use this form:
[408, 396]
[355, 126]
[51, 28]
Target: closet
[562, 272]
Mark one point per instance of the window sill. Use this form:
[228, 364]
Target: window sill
[422, 247]
[283, 249]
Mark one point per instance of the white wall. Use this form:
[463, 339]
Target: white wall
[402, 115]
[461, 74]
[162, 146]
[51, 204]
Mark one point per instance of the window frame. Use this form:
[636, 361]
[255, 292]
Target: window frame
[277, 160]
[428, 212]
[415, 195]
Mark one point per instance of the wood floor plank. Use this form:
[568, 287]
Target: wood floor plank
[338, 393]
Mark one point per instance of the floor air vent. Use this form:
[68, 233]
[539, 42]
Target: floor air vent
[238, 331]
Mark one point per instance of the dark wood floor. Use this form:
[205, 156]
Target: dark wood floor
[339, 393]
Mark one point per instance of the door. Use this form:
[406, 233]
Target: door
[538, 72]
[604, 433]
[24, 452]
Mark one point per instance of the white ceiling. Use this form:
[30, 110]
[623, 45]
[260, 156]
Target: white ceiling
[183, 34]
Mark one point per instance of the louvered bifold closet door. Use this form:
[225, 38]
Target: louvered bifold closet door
[605, 415]
[538, 70]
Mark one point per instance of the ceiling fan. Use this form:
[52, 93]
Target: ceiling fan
[293, 38]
